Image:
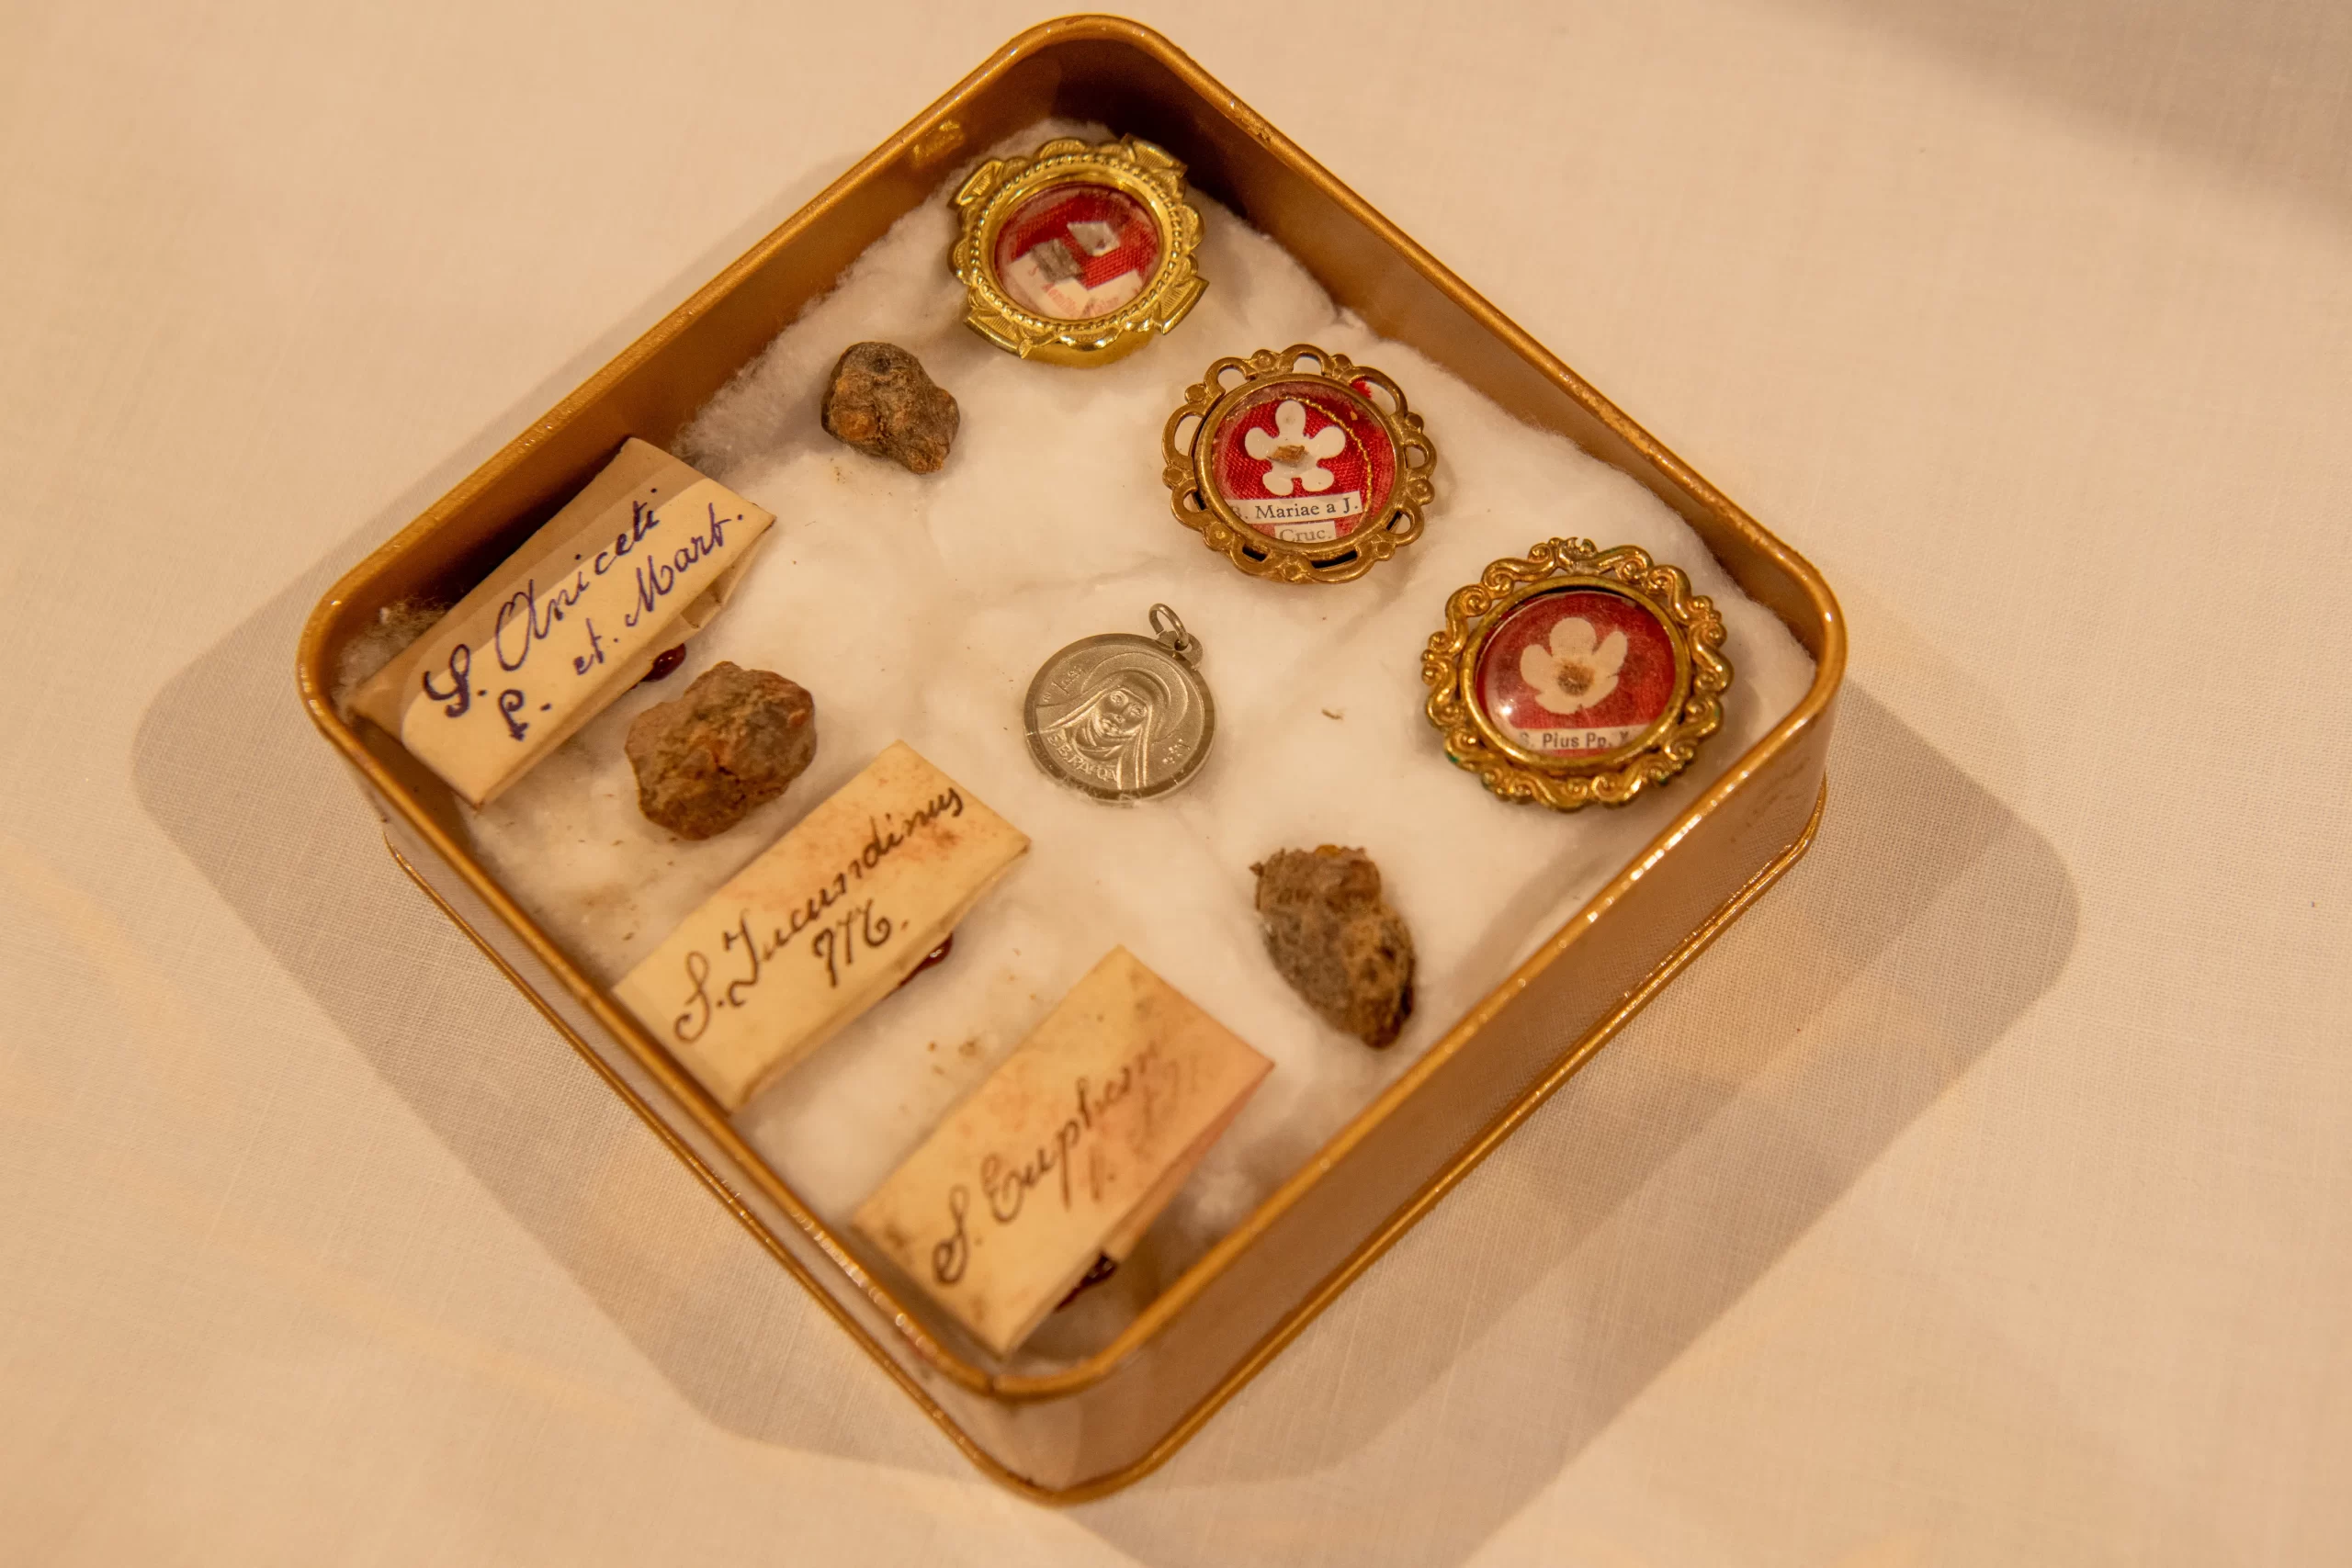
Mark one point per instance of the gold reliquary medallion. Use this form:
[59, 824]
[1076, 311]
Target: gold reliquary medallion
[1299, 465]
[1077, 254]
[1573, 674]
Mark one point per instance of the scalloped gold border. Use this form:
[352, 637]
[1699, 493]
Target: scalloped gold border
[1449, 666]
[1000, 186]
[1186, 468]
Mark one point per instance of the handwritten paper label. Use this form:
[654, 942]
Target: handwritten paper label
[634, 564]
[1065, 1153]
[822, 926]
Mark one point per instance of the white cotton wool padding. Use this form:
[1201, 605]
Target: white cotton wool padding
[918, 607]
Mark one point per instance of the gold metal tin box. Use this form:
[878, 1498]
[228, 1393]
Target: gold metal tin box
[1097, 1425]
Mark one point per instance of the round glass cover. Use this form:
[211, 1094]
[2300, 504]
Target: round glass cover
[1576, 672]
[1305, 462]
[1075, 251]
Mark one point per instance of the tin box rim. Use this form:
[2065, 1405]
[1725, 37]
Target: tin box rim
[926, 143]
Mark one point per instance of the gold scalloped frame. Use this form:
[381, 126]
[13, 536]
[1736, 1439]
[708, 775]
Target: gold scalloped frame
[1701, 675]
[1192, 496]
[1131, 165]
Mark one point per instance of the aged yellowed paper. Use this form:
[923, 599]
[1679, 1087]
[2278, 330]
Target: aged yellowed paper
[824, 924]
[636, 563]
[1065, 1153]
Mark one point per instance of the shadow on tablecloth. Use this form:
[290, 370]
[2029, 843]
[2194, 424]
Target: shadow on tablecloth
[1475, 1361]
[1626, 1217]
[1636, 1209]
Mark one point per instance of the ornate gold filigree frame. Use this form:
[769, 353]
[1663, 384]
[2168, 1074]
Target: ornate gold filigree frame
[1701, 675]
[997, 190]
[1193, 494]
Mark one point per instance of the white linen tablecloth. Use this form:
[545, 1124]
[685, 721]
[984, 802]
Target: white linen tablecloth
[1986, 1197]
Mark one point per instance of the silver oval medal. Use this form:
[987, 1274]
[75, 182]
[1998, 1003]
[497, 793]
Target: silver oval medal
[1120, 716]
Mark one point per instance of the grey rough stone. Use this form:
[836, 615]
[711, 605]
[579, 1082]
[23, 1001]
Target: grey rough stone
[731, 741]
[882, 400]
[1342, 948]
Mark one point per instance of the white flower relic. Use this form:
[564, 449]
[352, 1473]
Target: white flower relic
[1292, 456]
[1577, 672]
[1306, 467]
[1577, 669]
[1572, 675]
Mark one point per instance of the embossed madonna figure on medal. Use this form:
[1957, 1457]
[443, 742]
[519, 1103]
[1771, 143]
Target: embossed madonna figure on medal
[1299, 465]
[1123, 717]
[1077, 254]
[1573, 674]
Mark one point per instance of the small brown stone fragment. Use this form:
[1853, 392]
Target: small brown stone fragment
[1343, 950]
[882, 400]
[730, 743]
